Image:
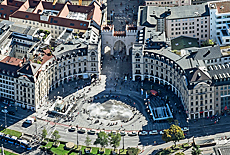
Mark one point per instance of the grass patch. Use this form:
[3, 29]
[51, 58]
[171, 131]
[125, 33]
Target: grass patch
[123, 151]
[7, 152]
[94, 150]
[59, 150]
[107, 151]
[11, 132]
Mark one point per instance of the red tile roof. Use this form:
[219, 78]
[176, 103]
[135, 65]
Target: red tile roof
[93, 11]
[12, 61]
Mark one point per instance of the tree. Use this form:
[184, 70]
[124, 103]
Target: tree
[174, 133]
[209, 42]
[88, 141]
[102, 139]
[196, 150]
[56, 135]
[44, 133]
[179, 153]
[114, 140]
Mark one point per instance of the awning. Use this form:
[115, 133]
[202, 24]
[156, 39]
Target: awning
[153, 92]
[201, 112]
[225, 108]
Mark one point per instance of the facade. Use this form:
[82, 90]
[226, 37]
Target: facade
[199, 76]
[219, 22]
[167, 3]
[177, 21]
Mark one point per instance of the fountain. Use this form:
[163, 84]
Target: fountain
[112, 110]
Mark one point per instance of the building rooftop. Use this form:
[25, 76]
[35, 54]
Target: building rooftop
[150, 14]
[182, 42]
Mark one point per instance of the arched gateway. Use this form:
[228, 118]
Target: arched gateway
[117, 41]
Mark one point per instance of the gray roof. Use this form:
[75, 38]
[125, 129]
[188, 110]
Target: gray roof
[205, 53]
[76, 47]
[29, 68]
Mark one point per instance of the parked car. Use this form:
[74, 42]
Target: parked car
[11, 113]
[162, 132]
[134, 133]
[92, 132]
[143, 133]
[82, 130]
[185, 129]
[153, 132]
[122, 133]
[72, 129]
[4, 111]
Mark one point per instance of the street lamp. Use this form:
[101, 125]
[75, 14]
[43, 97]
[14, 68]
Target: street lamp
[188, 129]
[5, 117]
[77, 136]
[124, 142]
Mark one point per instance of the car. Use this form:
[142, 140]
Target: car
[4, 111]
[185, 129]
[153, 132]
[91, 132]
[11, 113]
[72, 129]
[82, 130]
[122, 133]
[134, 133]
[162, 132]
[143, 133]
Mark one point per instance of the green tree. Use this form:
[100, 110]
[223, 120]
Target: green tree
[174, 133]
[114, 140]
[88, 141]
[208, 42]
[102, 139]
[44, 133]
[196, 150]
[179, 153]
[55, 135]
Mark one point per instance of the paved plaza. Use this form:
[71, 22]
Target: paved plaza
[124, 12]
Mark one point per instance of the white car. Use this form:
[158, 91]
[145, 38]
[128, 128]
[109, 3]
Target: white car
[134, 133]
[153, 132]
[185, 129]
[143, 133]
[162, 132]
[122, 133]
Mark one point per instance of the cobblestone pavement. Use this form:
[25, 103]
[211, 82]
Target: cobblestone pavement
[124, 12]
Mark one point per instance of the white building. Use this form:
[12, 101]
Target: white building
[219, 22]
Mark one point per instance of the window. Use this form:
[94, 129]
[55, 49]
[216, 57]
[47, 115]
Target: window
[55, 21]
[27, 16]
[81, 24]
[71, 24]
[84, 25]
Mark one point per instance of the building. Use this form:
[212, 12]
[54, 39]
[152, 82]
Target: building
[167, 3]
[219, 22]
[192, 21]
[35, 71]
[54, 18]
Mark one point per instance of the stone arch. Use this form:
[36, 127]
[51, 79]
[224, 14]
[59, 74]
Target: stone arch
[129, 50]
[119, 46]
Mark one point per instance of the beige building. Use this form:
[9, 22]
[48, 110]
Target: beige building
[191, 21]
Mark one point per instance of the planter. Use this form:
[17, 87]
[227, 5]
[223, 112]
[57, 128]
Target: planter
[56, 144]
[88, 150]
